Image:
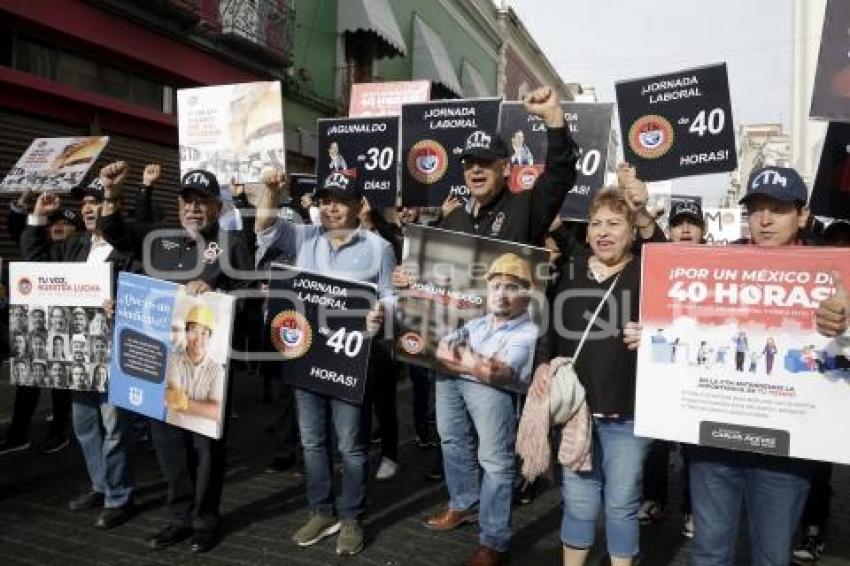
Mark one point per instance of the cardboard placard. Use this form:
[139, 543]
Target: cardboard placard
[433, 136]
[366, 151]
[59, 334]
[317, 324]
[171, 353]
[730, 356]
[233, 131]
[54, 164]
[678, 124]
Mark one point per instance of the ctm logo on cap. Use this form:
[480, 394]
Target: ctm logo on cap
[336, 181]
[769, 177]
[478, 139]
[196, 178]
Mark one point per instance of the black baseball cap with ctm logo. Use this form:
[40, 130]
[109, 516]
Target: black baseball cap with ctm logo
[338, 185]
[484, 146]
[686, 208]
[202, 182]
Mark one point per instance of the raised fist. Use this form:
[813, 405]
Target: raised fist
[151, 174]
[46, 204]
[273, 179]
[112, 175]
[544, 102]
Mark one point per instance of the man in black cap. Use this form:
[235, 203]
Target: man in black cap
[204, 258]
[339, 247]
[99, 426]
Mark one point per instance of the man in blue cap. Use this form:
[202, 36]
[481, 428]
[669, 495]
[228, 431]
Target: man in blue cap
[773, 488]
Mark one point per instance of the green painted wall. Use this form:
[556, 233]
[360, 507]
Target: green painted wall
[456, 38]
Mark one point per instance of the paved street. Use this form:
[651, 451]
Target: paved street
[261, 510]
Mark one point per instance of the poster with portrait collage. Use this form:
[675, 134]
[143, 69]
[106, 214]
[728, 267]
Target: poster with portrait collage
[59, 334]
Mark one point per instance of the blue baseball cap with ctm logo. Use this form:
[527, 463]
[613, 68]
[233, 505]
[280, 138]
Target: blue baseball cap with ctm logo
[780, 183]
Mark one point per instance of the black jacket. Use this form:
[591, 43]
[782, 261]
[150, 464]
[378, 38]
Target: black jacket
[36, 246]
[524, 217]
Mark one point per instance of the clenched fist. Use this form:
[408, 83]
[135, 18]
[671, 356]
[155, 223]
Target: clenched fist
[46, 204]
[544, 102]
[151, 174]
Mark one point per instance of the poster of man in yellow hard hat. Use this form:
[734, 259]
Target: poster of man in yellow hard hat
[469, 306]
[194, 391]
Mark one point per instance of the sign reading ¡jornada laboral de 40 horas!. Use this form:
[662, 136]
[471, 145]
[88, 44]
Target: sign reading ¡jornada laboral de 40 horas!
[433, 136]
[525, 135]
[366, 151]
[678, 124]
[730, 356]
[318, 326]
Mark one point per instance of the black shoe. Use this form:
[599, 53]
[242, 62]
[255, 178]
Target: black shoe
[280, 464]
[10, 446]
[114, 516]
[54, 444]
[435, 473]
[90, 500]
[425, 438]
[204, 541]
[527, 491]
[172, 534]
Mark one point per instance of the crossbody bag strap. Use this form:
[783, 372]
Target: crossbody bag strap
[593, 318]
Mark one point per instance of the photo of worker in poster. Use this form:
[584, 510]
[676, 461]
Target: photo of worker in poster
[470, 306]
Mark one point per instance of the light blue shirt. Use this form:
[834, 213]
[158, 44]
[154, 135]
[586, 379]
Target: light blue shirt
[364, 257]
[513, 342]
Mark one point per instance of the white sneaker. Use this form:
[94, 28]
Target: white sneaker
[387, 470]
[688, 526]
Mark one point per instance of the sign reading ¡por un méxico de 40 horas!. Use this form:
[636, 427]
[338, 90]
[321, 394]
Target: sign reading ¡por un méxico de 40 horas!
[433, 136]
[678, 124]
[366, 151]
[730, 356]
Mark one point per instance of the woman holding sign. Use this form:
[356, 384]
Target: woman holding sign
[606, 281]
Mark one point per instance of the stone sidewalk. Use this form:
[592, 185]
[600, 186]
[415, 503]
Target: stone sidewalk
[261, 510]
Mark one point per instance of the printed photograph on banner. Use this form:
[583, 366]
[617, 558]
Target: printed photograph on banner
[385, 99]
[472, 306]
[59, 334]
[317, 325]
[678, 124]
[831, 192]
[433, 135]
[233, 131]
[366, 151]
[171, 353]
[525, 135]
[730, 357]
[831, 93]
[54, 164]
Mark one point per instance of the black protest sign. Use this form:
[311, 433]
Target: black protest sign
[433, 136]
[678, 124]
[831, 193]
[525, 135]
[831, 96]
[301, 184]
[318, 325]
[366, 151]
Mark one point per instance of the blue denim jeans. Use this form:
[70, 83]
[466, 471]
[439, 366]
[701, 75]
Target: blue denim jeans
[774, 491]
[616, 481]
[315, 413]
[464, 409]
[102, 431]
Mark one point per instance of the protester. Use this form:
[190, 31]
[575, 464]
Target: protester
[204, 258]
[466, 408]
[99, 426]
[337, 247]
[606, 369]
[772, 488]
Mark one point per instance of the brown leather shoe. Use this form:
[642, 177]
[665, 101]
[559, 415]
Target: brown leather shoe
[485, 556]
[450, 519]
